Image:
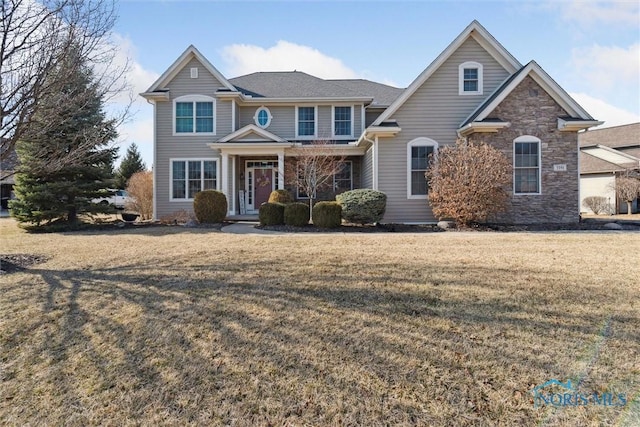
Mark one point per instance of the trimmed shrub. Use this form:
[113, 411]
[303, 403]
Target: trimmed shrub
[271, 214]
[280, 196]
[327, 214]
[597, 204]
[210, 206]
[362, 206]
[296, 214]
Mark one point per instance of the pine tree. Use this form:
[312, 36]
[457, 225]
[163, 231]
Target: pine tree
[131, 163]
[70, 163]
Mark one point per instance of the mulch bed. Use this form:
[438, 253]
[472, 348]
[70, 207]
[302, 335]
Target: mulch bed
[431, 228]
[18, 262]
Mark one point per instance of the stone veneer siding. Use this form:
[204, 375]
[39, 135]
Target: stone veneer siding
[531, 111]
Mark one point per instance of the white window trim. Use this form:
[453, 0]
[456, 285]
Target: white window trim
[350, 176]
[333, 122]
[528, 138]
[201, 159]
[461, 67]
[269, 117]
[194, 99]
[418, 142]
[315, 127]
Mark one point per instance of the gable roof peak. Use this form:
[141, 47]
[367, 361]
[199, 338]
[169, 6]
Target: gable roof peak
[474, 30]
[190, 52]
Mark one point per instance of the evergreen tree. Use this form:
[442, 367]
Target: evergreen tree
[63, 168]
[131, 163]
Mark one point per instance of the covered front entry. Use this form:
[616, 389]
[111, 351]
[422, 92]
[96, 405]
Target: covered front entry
[261, 178]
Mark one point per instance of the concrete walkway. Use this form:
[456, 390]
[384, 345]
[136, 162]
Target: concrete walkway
[247, 228]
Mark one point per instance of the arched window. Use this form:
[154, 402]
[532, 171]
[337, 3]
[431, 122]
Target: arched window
[526, 165]
[419, 152]
[470, 78]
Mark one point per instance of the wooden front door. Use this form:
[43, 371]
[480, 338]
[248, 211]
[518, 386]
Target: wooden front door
[263, 186]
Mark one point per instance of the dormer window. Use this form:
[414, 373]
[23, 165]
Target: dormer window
[470, 78]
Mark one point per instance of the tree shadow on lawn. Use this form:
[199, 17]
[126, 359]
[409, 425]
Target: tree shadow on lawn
[274, 347]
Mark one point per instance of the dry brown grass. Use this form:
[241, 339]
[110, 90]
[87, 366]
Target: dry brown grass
[175, 326]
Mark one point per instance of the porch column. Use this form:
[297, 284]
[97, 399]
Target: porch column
[232, 202]
[281, 170]
[224, 181]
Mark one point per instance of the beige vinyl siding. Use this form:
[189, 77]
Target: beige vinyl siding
[185, 146]
[283, 120]
[435, 111]
[371, 114]
[367, 168]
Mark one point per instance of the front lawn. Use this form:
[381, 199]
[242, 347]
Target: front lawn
[179, 326]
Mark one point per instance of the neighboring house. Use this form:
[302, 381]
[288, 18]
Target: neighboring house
[606, 154]
[7, 172]
[235, 135]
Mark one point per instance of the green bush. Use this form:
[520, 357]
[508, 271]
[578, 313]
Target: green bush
[362, 206]
[210, 206]
[280, 196]
[327, 214]
[296, 214]
[271, 214]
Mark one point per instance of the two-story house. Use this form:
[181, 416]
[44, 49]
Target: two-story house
[237, 134]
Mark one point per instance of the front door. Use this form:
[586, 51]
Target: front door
[263, 186]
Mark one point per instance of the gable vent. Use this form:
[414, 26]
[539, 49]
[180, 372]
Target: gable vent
[194, 73]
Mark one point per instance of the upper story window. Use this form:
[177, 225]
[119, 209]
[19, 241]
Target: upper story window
[526, 165]
[419, 153]
[470, 78]
[194, 114]
[306, 121]
[262, 117]
[343, 121]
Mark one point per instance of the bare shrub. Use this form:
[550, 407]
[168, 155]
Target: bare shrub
[466, 182]
[178, 217]
[627, 189]
[140, 189]
[597, 204]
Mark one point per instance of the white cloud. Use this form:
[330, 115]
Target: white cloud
[284, 56]
[588, 13]
[609, 114]
[607, 67]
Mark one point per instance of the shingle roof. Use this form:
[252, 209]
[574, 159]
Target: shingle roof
[290, 84]
[297, 84]
[591, 164]
[383, 95]
[613, 137]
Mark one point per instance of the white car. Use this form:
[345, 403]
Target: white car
[118, 199]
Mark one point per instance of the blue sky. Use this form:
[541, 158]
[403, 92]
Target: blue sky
[592, 48]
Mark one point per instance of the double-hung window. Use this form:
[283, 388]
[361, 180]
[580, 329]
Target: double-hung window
[526, 165]
[306, 125]
[191, 176]
[470, 78]
[342, 121]
[419, 153]
[343, 179]
[194, 114]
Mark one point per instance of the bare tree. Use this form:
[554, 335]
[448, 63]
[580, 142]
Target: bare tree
[37, 37]
[313, 167]
[628, 189]
[466, 182]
